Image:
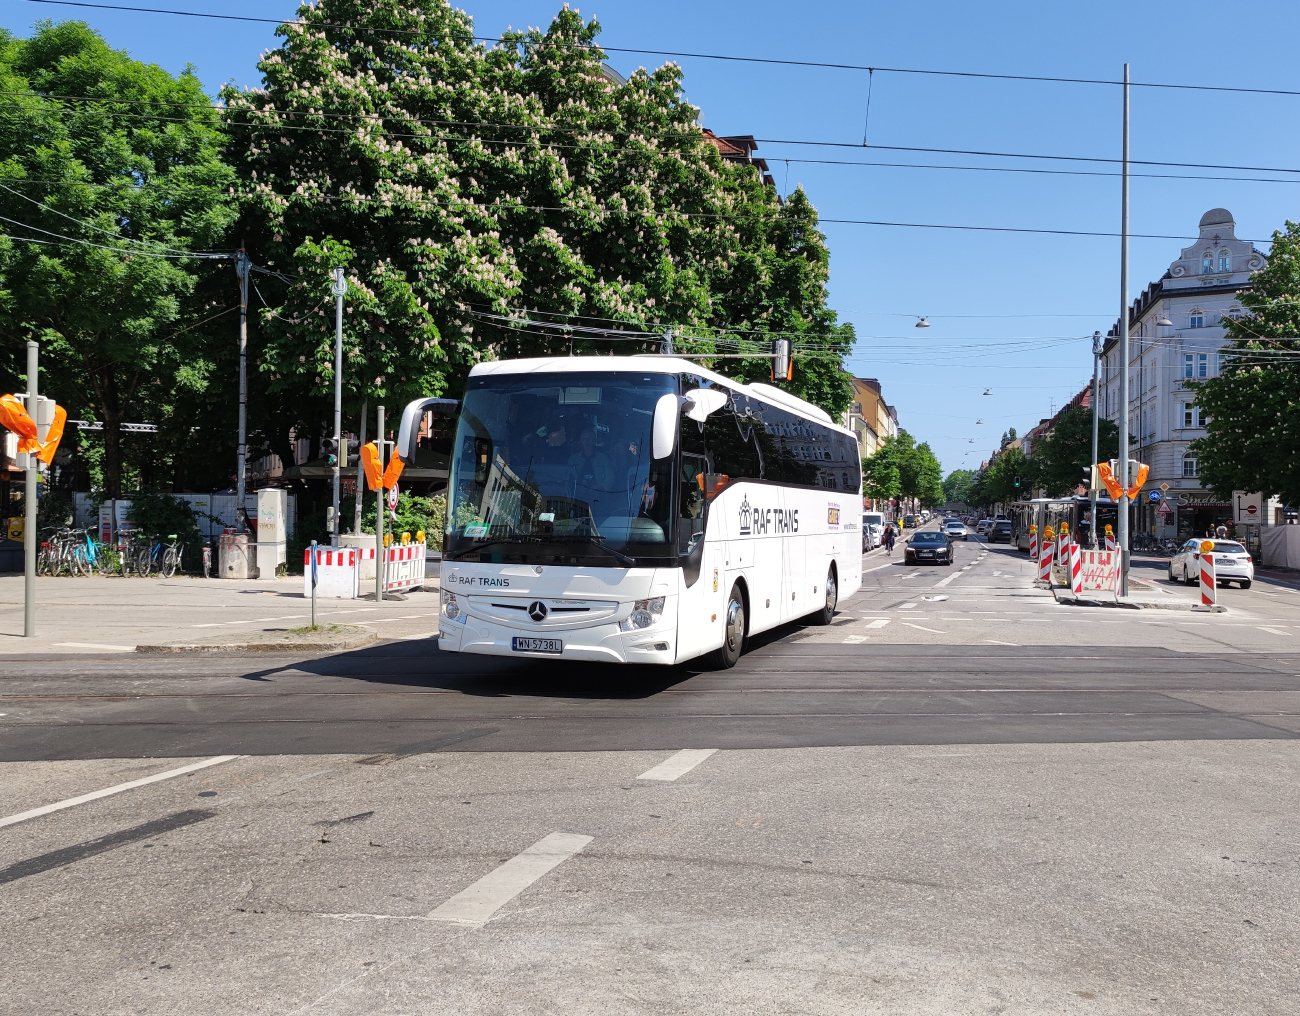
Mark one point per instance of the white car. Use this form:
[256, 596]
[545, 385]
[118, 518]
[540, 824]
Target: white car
[956, 529]
[1232, 563]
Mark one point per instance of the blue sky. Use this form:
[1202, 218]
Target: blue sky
[978, 290]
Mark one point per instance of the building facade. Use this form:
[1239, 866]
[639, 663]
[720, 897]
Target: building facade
[1176, 335]
[869, 416]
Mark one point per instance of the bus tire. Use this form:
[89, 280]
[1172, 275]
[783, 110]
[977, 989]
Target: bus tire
[733, 631]
[832, 589]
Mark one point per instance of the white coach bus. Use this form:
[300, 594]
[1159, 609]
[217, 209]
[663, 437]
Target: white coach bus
[638, 510]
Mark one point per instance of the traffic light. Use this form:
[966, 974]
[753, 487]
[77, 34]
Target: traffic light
[1017, 483]
[782, 362]
[329, 449]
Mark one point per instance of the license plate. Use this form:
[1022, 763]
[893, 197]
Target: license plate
[927, 553]
[527, 645]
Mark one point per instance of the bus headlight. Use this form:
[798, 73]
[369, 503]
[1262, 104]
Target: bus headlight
[450, 608]
[644, 614]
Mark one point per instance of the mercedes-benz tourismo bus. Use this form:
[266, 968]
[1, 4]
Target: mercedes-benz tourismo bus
[638, 510]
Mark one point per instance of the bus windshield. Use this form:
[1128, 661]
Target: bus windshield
[556, 469]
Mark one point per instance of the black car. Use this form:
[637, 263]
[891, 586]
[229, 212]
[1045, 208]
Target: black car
[1000, 531]
[928, 547]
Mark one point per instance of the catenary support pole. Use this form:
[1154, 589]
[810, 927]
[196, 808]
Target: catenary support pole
[1123, 476]
[241, 505]
[1092, 478]
[340, 287]
[361, 472]
[31, 540]
[379, 512]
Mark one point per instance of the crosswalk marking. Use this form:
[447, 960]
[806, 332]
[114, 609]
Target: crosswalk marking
[677, 765]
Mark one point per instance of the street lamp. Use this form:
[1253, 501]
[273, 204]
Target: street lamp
[922, 323]
[1097, 346]
[339, 289]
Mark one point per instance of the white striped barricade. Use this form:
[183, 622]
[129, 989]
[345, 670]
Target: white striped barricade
[1033, 543]
[1075, 569]
[403, 566]
[1045, 562]
[1097, 571]
[1209, 587]
[336, 572]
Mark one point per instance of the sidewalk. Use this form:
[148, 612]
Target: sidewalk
[110, 614]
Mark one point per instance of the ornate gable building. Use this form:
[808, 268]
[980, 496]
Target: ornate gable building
[1176, 334]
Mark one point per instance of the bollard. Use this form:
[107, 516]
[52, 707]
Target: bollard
[1110, 538]
[1209, 589]
[1076, 569]
[1033, 543]
[1045, 563]
[314, 559]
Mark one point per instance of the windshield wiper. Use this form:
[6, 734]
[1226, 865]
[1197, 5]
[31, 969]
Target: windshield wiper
[489, 543]
[595, 541]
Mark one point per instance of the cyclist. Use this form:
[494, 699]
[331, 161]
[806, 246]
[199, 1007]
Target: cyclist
[888, 540]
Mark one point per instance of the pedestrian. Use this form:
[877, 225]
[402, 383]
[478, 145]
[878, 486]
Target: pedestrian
[889, 541]
[1222, 532]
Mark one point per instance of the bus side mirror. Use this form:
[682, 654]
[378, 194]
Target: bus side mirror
[701, 402]
[663, 429]
[408, 434]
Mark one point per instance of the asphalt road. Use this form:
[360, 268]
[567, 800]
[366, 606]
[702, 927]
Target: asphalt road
[960, 797]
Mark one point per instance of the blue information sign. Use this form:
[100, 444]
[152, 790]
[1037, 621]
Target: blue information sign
[1155, 495]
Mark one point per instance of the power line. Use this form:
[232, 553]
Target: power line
[101, 246]
[730, 58]
[377, 120]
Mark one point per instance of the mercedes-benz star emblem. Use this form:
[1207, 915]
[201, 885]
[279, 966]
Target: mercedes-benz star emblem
[537, 611]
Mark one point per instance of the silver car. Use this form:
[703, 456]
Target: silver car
[1232, 563]
[956, 529]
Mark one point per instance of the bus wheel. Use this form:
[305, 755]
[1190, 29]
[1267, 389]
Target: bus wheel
[733, 631]
[827, 613]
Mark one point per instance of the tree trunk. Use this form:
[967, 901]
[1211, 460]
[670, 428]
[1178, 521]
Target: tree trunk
[111, 406]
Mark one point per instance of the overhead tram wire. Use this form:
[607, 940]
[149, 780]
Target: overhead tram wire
[377, 120]
[730, 58]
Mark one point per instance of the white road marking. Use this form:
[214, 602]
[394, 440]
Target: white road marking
[943, 582]
[476, 904]
[854, 640]
[23, 816]
[879, 622]
[403, 617]
[97, 645]
[1273, 631]
[919, 627]
[908, 606]
[677, 765]
[416, 637]
[878, 567]
[998, 643]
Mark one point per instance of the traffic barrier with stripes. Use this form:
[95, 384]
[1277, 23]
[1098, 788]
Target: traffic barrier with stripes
[1097, 571]
[1209, 589]
[1110, 539]
[1076, 573]
[336, 572]
[1033, 543]
[403, 565]
[1045, 562]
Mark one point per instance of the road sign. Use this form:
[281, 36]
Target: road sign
[1164, 510]
[1164, 486]
[1247, 507]
[1155, 495]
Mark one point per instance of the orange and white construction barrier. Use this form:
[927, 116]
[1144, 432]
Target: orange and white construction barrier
[403, 565]
[1045, 561]
[1033, 543]
[1110, 539]
[1097, 571]
[1209, 588]
[1076, 565]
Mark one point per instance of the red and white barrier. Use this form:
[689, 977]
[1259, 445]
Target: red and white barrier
[336, 573]
[1209, 588]
[1097, 571]
[403, 565]
[1075, 568]
[1033, 543]
[1045, 563]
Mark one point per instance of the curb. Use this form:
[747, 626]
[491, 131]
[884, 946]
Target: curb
[288, 645]
[1070, 600]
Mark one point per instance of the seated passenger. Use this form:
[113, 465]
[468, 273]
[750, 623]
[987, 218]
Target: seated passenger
[592, 465]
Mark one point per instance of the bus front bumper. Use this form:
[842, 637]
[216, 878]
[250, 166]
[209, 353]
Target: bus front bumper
[598, 644]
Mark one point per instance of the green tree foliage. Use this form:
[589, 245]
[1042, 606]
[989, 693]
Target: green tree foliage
[997, 483]
[1060, 460]
[1253, 405]
[880, 478]
[918, 472]
[105, 198]
[956, 486]
[467, 188]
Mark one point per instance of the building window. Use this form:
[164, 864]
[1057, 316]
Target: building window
[1225, 262]
[1196, 319]
[1196, 365]
[1207, 262]
[1189, 465]
[1191, 415]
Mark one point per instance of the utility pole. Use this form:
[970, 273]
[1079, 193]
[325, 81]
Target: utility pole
[30, 540]
[1123, 358]
[666, 346]
[242, 268]
[340, 287]
[1092, 478]
[361, 472]
[380, 507]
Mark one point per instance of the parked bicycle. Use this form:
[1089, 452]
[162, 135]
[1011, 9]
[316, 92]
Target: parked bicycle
[165, 557]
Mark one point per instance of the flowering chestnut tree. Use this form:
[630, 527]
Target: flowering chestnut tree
[473, 192]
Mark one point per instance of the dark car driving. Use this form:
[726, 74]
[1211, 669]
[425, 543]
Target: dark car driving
[928, 547]
[1000, 531]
